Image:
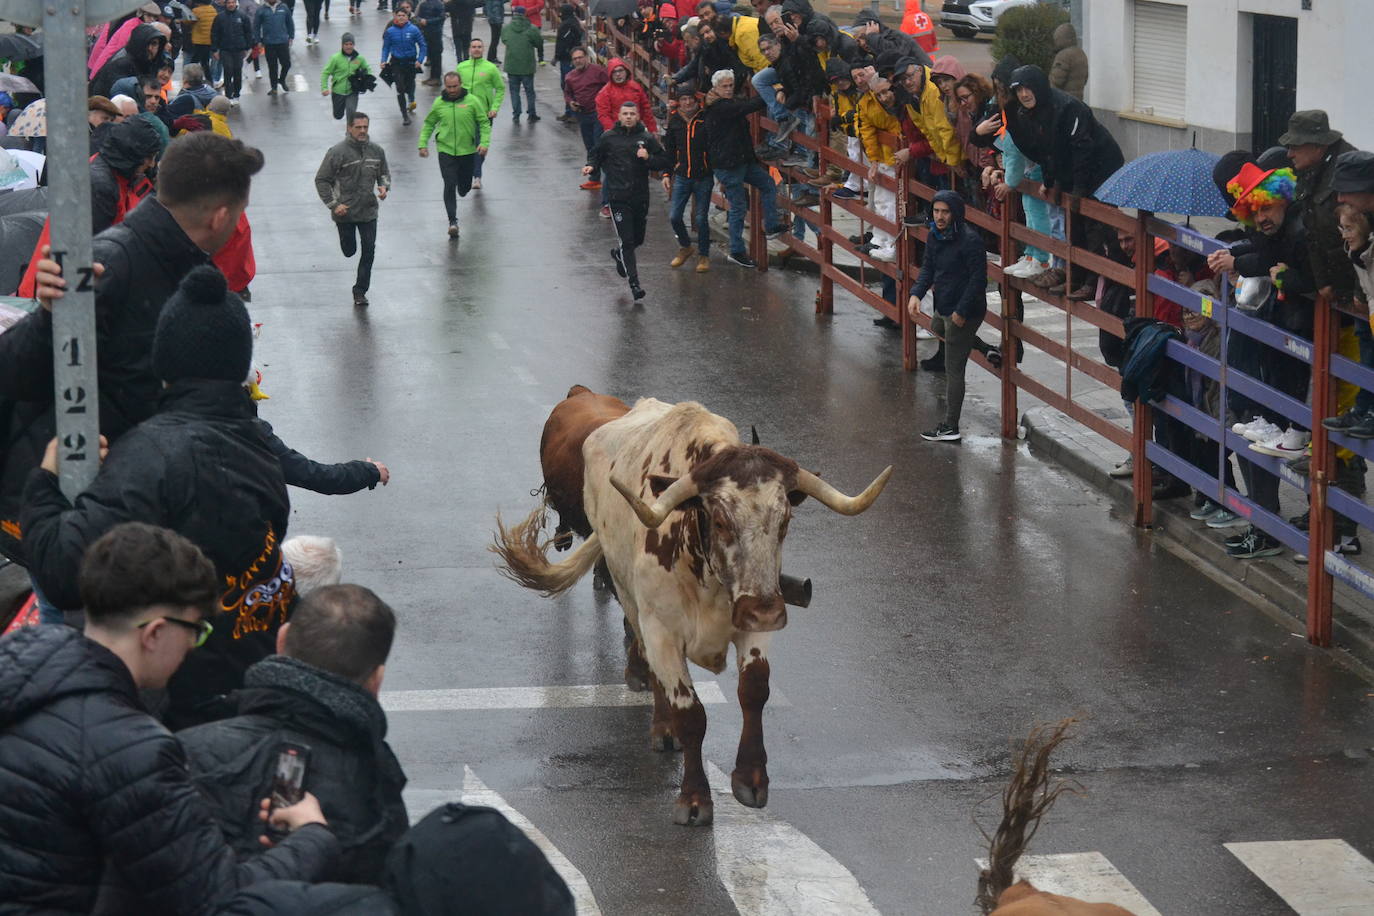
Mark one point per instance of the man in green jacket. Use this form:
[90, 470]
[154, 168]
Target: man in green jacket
[521, 39]
[462, 131]
[337, 79]
[481, 78]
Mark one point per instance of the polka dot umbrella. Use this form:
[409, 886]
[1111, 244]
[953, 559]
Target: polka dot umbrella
[1178, 181]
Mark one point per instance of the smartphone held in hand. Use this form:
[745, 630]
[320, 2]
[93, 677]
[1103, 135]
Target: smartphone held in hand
[288, 779]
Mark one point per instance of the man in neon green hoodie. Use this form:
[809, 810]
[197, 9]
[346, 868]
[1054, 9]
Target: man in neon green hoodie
[482, 78]
[336, 80]
[462, 131]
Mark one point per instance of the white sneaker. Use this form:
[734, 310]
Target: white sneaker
[923, 334]
[477, 184]
[1262, 431]
[883, 254]
[1023, 268]
[1289, 444]
[1123, 469]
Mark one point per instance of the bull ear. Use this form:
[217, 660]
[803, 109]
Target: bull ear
[753, 436]
[658, 483]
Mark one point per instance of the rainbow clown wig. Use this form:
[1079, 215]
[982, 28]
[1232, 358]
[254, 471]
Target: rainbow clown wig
[1255, 187]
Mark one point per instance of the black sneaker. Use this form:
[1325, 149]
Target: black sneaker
[1346, 421]
[636, 291]
[887, 323]
[1237, 539]
[1255, 545]
[942, 433]
[994, 357]
[913, 220]
[405, 117]
[360, 299]
[743, 259]
[775, 231]
[453, 229]
[534, 117]
[619, 264]
[933, 364]
[1364, 429]
[1348, 545]
[1300, 522]
[861, 240]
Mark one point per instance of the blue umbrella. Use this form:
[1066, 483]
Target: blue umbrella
[1179, 181]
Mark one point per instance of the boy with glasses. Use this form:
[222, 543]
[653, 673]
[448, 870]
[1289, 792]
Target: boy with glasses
[120, 817]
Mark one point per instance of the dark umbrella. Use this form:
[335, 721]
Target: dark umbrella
[1178, 181]
[613, 9]
[21, 47]
[19, 232]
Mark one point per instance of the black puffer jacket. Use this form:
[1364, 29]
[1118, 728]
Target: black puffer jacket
[202, 468]
[330, 479]
[294, 898]
[351, 771]
[127, 146]
[616, 155]
[685, 143]
[728, 143]
[132, 61]
[145, 259]
[1060, 133]
[802, 76]
[98, 802]
[955, 265]
[838, 44]
[888, 40]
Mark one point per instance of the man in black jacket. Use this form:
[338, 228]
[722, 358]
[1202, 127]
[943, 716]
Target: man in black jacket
[319, 690]
[201, 467]
[625, 154]
[98, 801]
[879, 39]
[1075, 152]
[140, 57]
[203, 186]
[231, 36]
[731, 154]
[690, 179]
[956, 268]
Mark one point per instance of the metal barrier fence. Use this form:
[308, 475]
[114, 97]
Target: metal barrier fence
[1008, 233]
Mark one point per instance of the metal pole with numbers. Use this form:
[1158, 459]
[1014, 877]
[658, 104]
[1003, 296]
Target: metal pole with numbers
[73, 319]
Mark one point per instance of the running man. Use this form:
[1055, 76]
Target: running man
[482, 78]
[625, 154]
[462, 131]
[346, 177]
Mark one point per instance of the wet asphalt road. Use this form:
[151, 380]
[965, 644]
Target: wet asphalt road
[986, 590]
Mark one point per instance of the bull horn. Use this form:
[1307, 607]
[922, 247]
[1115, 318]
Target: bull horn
[682, 489]
[832, 498]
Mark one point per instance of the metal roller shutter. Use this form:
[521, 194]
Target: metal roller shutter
[1161, 59]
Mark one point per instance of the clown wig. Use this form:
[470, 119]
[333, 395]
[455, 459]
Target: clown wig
[1278, 185]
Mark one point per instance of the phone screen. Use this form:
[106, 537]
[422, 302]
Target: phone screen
[288, 780]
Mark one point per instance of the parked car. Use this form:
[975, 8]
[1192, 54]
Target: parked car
[966, 18]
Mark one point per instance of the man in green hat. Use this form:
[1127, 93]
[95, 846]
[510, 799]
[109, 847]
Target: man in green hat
[1313, 147]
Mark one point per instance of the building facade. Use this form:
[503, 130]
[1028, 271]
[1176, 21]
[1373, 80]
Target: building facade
[1225, 74]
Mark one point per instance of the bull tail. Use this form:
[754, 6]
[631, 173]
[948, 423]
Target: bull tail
[1027, 799]
[524, 556]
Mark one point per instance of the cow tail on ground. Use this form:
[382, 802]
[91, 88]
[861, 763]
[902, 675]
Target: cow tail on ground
[1029, 796]
[524, 556]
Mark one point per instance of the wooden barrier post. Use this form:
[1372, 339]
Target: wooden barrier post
[825, 296]
[1321, 524]
[902, 288]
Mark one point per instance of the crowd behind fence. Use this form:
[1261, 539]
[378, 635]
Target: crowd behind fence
[1186, 443]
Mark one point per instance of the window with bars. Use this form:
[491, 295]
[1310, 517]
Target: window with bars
[1160, 59]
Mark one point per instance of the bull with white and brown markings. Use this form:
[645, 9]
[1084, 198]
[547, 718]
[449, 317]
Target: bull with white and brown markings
[691, 524]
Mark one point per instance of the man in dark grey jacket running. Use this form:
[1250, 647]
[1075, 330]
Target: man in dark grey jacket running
[345, 182]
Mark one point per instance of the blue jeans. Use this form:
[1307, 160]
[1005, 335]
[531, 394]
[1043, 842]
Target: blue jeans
[763, 83]
[735, 180]
[592, 130]
[698, 190]
[47, 611]
[517, 80]
[563, 69]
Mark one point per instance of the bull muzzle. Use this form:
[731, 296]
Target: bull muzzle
[753, 614]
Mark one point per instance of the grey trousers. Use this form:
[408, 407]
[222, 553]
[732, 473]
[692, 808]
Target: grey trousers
[958, 345]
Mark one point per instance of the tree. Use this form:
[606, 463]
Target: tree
[1027, 33]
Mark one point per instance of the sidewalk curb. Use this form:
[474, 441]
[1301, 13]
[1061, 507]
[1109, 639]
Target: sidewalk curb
[1267, 584]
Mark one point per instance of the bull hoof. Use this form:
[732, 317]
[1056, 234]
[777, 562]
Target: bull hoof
[693, 813]
[600, 581]
[751, 796]
[664, 743]
[637, 680]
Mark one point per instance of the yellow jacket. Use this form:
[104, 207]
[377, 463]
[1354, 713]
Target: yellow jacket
[744, 38]
[873, 117]
[205, 21]
[845, 106]
[931, 120]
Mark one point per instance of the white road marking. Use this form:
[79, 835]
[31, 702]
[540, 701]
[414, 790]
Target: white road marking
[420, 802]
[770, 868]
[523, 375]
[1314, 877]
[298, 83]
[497, 341]
[575, 697]
[1088, 876]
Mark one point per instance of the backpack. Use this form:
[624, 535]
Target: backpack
[1142, 370]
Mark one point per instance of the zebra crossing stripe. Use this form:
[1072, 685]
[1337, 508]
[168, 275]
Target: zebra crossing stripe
[1314, 877]
[1088, 876]
[574, 697]
[420, 802]
[770, 868]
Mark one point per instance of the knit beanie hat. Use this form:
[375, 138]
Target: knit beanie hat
[347, 37]
[203, 331]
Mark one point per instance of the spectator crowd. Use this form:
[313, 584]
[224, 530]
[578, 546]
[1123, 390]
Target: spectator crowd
[142, 750]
